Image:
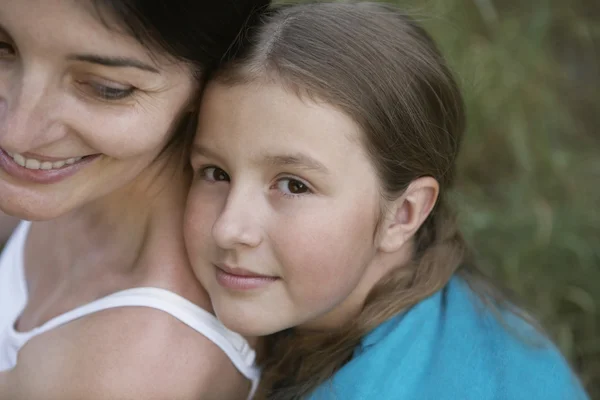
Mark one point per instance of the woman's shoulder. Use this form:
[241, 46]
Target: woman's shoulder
[451, 346]
[126, 352]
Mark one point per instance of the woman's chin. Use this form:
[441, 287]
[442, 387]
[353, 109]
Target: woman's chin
[31, 212]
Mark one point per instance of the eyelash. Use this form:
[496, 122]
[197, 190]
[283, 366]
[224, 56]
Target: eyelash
[202, 171]
[6, 48]
[203, 175]
[109, 93]
[292, 195]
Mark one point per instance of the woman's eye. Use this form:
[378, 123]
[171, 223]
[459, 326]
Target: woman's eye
[110, 93]
[6, 50]
[214, 174]
[106, 92]
[291, 186]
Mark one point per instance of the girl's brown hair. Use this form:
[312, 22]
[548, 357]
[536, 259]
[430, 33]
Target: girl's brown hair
[384, 71]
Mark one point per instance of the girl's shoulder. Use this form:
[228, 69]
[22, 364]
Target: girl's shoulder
[451, 346]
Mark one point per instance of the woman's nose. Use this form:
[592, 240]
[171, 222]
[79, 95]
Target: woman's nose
[27, 119]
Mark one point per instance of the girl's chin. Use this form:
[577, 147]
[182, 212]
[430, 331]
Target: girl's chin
[247, 330]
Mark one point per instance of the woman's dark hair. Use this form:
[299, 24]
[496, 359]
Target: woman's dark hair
[200, 33]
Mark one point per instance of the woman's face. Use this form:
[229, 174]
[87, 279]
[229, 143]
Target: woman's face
[84, 109]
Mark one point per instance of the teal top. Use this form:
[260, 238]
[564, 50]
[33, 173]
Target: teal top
[450, 347]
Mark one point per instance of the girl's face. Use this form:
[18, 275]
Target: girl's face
[283, 210]
[84, 109]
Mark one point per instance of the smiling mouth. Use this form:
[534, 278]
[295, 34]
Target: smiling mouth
[43, 171]
[34, 164]
[45, 165]
[243, 273]
[240, 279]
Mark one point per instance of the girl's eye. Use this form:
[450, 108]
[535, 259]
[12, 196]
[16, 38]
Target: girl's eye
[106, 92]
[292, 187]
[6, 50]
[214, 174]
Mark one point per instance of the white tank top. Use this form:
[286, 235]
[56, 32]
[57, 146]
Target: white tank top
[13, 299]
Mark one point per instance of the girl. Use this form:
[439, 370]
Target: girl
[97, 297]
[318, 217]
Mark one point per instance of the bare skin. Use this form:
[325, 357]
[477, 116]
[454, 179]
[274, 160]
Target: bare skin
[125, 353]
[7, 225]
[114, 223]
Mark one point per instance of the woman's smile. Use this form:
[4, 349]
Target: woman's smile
[43, 170]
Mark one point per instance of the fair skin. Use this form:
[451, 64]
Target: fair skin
[106, 222]
[7, 224]
[285, 223]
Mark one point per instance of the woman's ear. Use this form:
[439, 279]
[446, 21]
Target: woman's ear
[405, 215]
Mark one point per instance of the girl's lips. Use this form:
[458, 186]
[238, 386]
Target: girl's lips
[8, 165]
[240, 279]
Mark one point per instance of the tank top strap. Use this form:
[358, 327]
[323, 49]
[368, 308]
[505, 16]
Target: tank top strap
[234, 345]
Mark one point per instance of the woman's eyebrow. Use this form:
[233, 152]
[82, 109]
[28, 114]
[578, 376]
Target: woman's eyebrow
[118, 62]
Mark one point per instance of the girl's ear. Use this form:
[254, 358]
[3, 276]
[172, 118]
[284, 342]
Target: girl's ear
[406, 214]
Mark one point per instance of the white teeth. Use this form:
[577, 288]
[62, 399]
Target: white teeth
[19, 159]
[32, 163]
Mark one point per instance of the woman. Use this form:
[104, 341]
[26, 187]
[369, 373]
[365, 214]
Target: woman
[95, 102]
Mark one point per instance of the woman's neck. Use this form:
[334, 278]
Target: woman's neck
[134, 237]
[122, 234]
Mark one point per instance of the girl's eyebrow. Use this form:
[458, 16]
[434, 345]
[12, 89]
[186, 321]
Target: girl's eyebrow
[118, 62]
[298, 160]
[198, 149]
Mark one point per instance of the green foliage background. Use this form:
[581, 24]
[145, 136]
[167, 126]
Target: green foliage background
[529, 187]
[529, 173]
